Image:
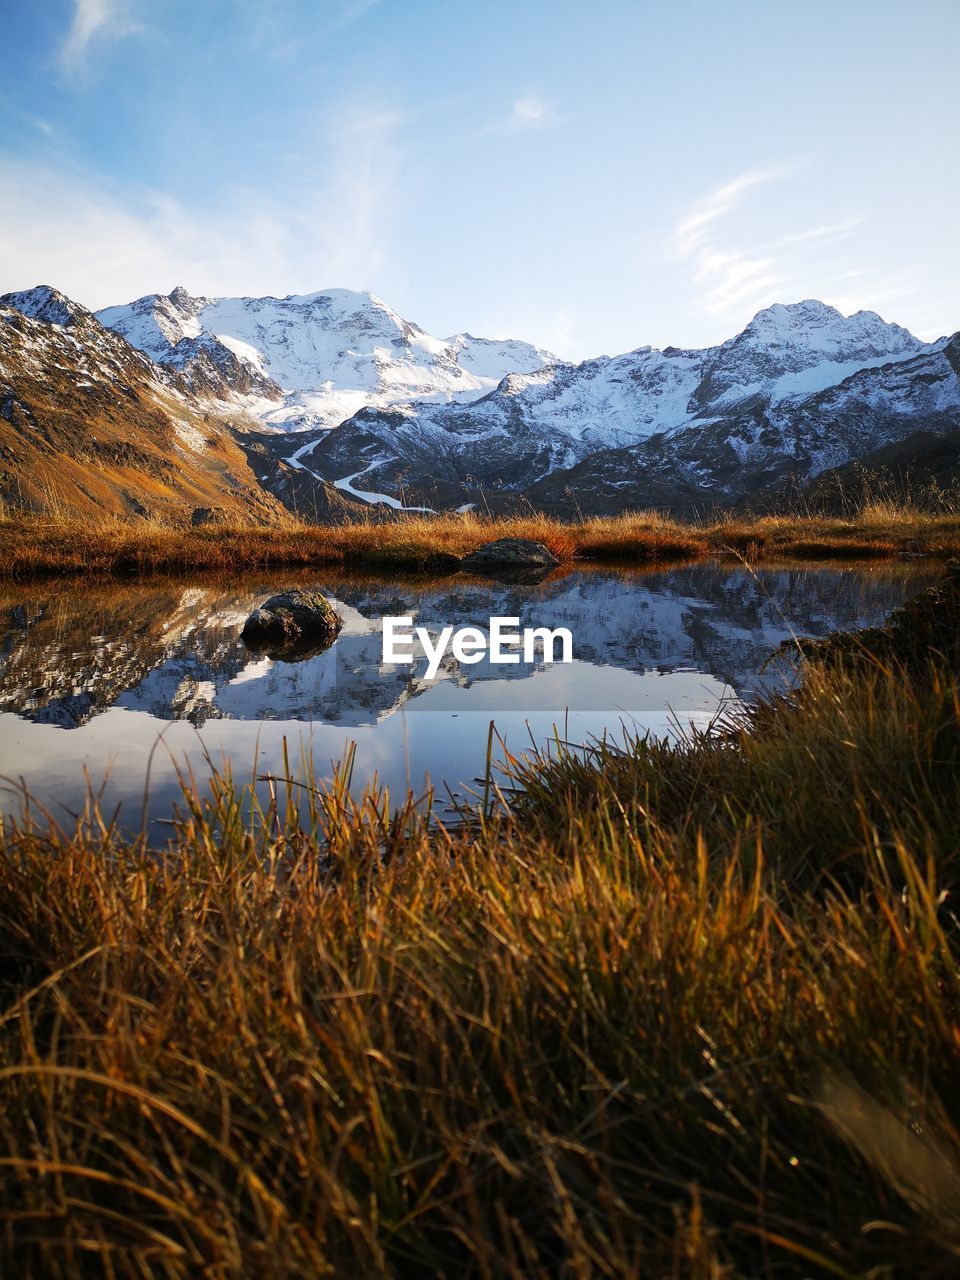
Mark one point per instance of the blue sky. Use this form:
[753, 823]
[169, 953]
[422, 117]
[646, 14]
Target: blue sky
[590, 176]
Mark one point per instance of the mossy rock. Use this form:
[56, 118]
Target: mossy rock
[292, 625]
[511, 559]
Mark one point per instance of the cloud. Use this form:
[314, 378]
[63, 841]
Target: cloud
[527, 114]
[734, 272]
[354, 9]
[102, 245]
[691, 231]
[727, 278]
[94, 20]
[531, 113]
[356, 197]
[831, 231]
[731, 280]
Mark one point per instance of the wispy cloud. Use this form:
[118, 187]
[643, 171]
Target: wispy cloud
[726, 277]
[692, 230]
[94, 21]
[831, 231]
[101, 244]
[526, 114]
[531, 113]
[730, 278]
[353, 9]
[357, 194]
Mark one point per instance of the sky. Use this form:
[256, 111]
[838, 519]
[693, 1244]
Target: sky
[591, 176]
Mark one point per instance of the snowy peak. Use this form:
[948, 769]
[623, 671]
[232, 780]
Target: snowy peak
[294, 339]
[156, 323]
[793, 350]
[180, 299]
[45, 303]
[487, 357]
[332, 352]
[821, 331]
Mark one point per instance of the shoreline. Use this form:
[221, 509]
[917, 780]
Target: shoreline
[37, 547]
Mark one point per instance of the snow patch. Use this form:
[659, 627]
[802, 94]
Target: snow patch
[189, 435]
[368, 495]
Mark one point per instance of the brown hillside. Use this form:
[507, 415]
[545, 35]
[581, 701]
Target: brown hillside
[90, 427]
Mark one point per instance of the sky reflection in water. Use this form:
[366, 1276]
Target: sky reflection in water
[91, 676]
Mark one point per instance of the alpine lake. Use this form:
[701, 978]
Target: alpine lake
[127, 690]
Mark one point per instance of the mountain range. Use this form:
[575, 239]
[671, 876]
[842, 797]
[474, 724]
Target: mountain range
[330, 404]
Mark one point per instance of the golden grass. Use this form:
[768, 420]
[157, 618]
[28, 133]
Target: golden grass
[32, 545]
[681, 1013]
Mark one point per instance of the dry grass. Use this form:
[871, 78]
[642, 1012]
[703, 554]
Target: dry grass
[672, 1013]
[39, 545]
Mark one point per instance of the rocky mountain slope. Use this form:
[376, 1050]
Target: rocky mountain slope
[922, 469]
[765, 449]
[89, 426]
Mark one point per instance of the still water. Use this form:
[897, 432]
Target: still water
[100, 681]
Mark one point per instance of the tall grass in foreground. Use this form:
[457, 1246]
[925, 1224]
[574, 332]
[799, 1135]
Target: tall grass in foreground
[669, 1012]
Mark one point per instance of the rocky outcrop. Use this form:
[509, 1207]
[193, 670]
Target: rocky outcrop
[209, 368]
[292, 625]
[209, 515]
[511, 560]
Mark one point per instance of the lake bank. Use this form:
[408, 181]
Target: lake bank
[37, 546]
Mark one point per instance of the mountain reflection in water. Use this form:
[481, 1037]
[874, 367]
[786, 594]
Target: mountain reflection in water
[90, 674]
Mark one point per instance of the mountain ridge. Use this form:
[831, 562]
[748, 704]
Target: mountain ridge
[323, 354]
[740, 402]
[341, 405]
[89, 427]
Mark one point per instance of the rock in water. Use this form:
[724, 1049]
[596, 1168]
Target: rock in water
[513, 559]
[294, 624]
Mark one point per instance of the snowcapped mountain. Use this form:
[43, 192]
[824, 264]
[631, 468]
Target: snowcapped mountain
[767, 447]
[790, 352]
[46, 304]
[801, 389]
[322, 355]
[384, 415]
